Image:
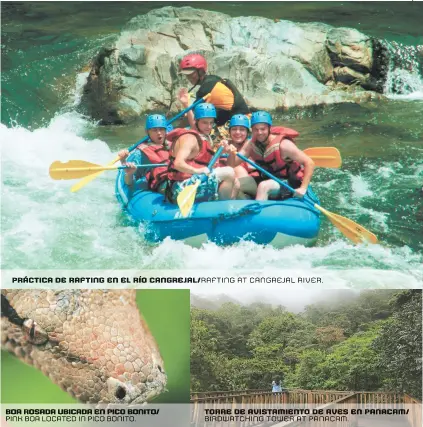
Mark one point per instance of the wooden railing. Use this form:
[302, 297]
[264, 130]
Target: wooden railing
[325, 400]
[257, 400]
[342, 404]
[258, 395]
[381, 398]
[415, 415]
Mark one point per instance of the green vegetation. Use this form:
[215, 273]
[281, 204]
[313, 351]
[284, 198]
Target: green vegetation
[370, 341]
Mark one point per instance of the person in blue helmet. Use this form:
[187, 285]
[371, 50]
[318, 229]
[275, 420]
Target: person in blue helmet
[239, 129]
[207, 128]
[204, 121]
[273, 149]
[156, 150]
[190, 154]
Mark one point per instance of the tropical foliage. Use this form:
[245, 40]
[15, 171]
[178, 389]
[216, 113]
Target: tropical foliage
[370, 341]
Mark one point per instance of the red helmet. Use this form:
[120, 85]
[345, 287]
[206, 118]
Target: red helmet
[191, 62]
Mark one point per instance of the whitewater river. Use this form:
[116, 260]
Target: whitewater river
[44, 226]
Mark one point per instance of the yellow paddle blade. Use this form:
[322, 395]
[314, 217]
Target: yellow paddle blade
[350, 229]
[74, 169]
[186, 198]
[90, 178]
[325, 157]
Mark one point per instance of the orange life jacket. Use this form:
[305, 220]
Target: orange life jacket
[202, 159]
[155, 154]
[271, 159]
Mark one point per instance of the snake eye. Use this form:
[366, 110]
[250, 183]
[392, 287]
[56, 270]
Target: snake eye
[120, 393]
[35, 334]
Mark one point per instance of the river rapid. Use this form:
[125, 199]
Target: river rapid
[44, 226]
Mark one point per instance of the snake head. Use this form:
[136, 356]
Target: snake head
[93, 343]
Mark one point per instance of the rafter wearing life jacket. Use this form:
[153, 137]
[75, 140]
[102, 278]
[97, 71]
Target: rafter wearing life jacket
[155, 154]
[269, 157]
[202, 159]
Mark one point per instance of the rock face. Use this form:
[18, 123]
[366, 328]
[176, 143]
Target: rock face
[274, 64]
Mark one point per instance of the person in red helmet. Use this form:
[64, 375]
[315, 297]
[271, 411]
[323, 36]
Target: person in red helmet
[224, 95]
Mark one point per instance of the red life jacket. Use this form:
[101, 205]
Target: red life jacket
[200, 160]
[271, 159]
[155, 154]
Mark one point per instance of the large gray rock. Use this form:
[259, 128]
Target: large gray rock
[274, 64]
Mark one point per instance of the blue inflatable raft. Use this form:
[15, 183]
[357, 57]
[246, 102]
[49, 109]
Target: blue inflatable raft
[278, 223]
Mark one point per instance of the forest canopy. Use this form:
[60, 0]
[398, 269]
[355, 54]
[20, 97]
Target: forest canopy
[371, 341]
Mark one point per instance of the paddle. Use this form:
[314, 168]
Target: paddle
[350, 229]
[186, 197]
[93, 176]
[324, 157]
[75, 169]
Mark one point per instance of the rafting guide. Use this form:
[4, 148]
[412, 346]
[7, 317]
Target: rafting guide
[324, 84]
[179, 166]
[192, 204]
[170, 180]
[223, 94]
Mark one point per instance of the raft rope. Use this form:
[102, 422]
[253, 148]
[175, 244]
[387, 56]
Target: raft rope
[253, 209]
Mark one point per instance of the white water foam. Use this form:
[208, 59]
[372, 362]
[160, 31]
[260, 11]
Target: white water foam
[360, 187]
[403, 81]
[414, 96]
[76, 95]
[366, 265]
[45, 226]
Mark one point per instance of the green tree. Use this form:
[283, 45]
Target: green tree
[353, 364]
[351, 311]
[283, 336]
[400, 345]
[310, 373]
[369, 341]
[204, 344]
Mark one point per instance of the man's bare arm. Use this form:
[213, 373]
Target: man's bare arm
[185, 147]
[291, 151]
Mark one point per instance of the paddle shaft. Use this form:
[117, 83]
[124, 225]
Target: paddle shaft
[279, 181]
[355, 229]
[93, 176]
[186, 197]
[215, 158]
[178, 116]
[106, 168]
[321, 157]
[264, 171]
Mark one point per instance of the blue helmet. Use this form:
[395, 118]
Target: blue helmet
[239, 120]
[204, 111]
[261, 117]
[155, 121]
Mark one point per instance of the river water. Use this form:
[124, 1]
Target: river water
[46, 49]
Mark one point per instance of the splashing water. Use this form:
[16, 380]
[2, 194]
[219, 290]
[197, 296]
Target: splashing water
[404, 79]
[47, 227]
